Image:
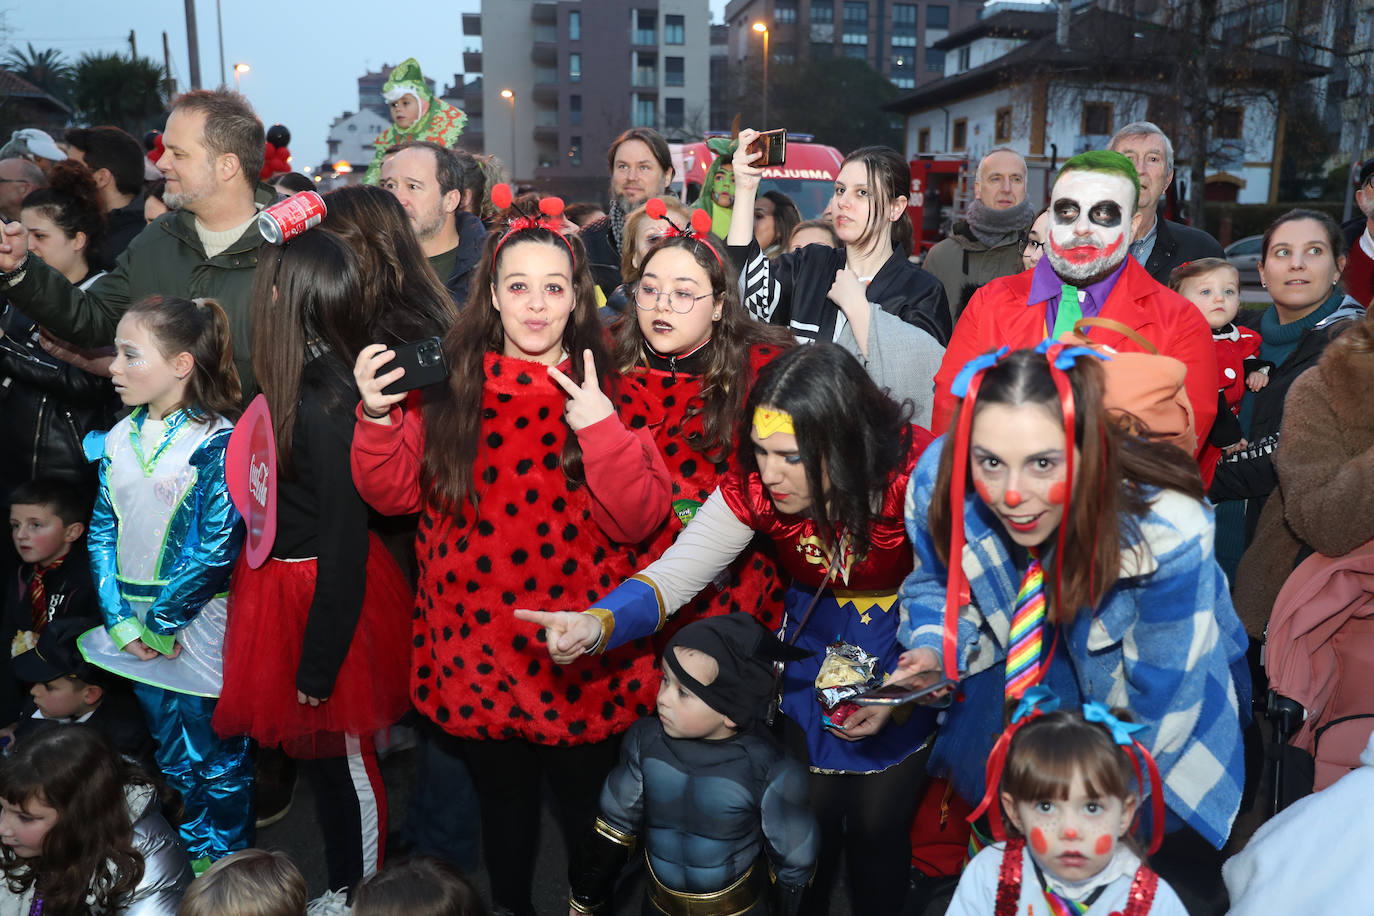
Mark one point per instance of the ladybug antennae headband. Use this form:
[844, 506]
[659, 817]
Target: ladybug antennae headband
[550, 217]
[696, 230]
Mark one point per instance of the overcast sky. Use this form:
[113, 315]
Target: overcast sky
[305, 58]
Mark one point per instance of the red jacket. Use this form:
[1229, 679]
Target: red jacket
[997, 315]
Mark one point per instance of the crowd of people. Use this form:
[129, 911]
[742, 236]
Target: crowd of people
[677, 506]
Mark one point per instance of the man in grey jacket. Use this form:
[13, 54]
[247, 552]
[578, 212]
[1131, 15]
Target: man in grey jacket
[987, 242]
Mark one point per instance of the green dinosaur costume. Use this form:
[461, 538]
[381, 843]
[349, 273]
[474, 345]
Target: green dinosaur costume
[438, 121]
[718, 187]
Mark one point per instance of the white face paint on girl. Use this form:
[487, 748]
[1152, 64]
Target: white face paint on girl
[143, 375]
[1090, 225]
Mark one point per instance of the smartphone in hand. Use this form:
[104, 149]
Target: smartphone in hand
[773, 145]
[423, 361]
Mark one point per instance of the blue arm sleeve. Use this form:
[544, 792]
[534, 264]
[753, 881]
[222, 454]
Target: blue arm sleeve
[212, 545]
[922, 595]
[789, 826]
[102, 538]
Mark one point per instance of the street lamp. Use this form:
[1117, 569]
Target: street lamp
[239, 70]
[763, 30]
[509, 96]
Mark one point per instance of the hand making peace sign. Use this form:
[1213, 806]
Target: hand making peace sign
[587, 403]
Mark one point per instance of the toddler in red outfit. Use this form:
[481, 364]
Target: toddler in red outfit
[1213, 285]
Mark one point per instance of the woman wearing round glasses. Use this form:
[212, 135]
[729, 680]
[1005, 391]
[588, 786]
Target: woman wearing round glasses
[695, 352]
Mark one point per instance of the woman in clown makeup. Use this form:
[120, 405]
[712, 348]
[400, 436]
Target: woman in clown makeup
[1086, 565]
[823, 458]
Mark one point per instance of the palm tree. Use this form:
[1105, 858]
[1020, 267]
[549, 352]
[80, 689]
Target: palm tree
[120, 90]
[47, 69]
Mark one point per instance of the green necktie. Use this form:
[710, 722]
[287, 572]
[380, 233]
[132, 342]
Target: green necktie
[1069, 311]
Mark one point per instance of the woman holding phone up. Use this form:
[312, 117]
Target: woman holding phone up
[867, 296]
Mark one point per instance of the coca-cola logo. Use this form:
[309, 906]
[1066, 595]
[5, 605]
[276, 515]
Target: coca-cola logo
[251, 470]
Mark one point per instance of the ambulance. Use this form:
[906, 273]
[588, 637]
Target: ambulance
[808, 175]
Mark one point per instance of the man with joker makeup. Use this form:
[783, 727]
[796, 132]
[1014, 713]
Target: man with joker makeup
[1086, 272]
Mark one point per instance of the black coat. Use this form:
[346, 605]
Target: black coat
[793, 291]
[46, 408]
[602, 254]
[472, 236]
[1250, 474]
[1176, 243]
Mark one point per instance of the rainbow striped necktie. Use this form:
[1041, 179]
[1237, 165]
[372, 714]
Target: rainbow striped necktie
[1027, 629]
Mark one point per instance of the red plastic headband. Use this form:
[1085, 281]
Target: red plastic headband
[700, 225]
[551, 218]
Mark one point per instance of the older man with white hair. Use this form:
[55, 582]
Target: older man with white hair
[1161, 244]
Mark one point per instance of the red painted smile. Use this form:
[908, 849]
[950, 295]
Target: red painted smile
[1086, 254]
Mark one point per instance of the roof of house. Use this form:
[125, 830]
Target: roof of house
[15, 86]
[1101, 44]
[1005, 24]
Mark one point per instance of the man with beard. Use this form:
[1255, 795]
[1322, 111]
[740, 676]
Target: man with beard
[1359, 264]
[207, 246]
[1086, 273]
[987, 242]
[1159, 244]
[641, 167]
[431, 183]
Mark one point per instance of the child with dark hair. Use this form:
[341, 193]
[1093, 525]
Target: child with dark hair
[1069, 794]
[84, 831]
[749, 817]
[164, 536]
[420, 886]
[67, 689]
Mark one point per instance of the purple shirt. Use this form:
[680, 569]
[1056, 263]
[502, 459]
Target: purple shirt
[1046, 286]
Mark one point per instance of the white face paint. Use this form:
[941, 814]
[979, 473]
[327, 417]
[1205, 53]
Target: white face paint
[1090, 225]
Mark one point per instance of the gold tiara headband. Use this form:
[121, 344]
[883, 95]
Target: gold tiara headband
[769, 420]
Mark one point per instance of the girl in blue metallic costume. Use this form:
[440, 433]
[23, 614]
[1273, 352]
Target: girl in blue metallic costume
[163, 539]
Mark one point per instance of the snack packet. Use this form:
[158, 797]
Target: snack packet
[846, 671]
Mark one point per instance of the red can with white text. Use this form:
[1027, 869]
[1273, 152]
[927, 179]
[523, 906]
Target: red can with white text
[287, 219]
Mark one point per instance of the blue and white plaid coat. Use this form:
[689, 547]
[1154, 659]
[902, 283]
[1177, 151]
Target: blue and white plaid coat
[1165, 644]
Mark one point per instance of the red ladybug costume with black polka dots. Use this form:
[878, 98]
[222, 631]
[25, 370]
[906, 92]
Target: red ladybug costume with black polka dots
[752, 583]
[531, 539]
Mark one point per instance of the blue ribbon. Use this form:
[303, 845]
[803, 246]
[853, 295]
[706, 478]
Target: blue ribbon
[974, 366]
[1094, 711]
[1069, 355]
[1037, 699]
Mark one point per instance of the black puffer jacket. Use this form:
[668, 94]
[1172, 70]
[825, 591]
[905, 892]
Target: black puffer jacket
[46, 408]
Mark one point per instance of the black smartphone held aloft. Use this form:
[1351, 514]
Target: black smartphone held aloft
[773, 144]
[423, 361]
[920, 688]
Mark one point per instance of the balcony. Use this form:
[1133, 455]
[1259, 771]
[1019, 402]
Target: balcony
[544, 52]
[544, 11]
[472, 24]
[644, 78]
[545, 92]
[472, 61]
[472, 103]
[644, 38]
[546, 132]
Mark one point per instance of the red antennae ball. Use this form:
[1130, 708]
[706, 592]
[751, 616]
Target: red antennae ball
[656, 208]
[701, 222]
[551, 206]
[501, 196]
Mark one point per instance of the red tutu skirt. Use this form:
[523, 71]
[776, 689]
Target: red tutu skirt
[262, 650]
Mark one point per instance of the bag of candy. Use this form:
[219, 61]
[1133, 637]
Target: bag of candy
[846, 671]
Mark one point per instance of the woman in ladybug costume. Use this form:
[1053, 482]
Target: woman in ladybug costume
[533, 473]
